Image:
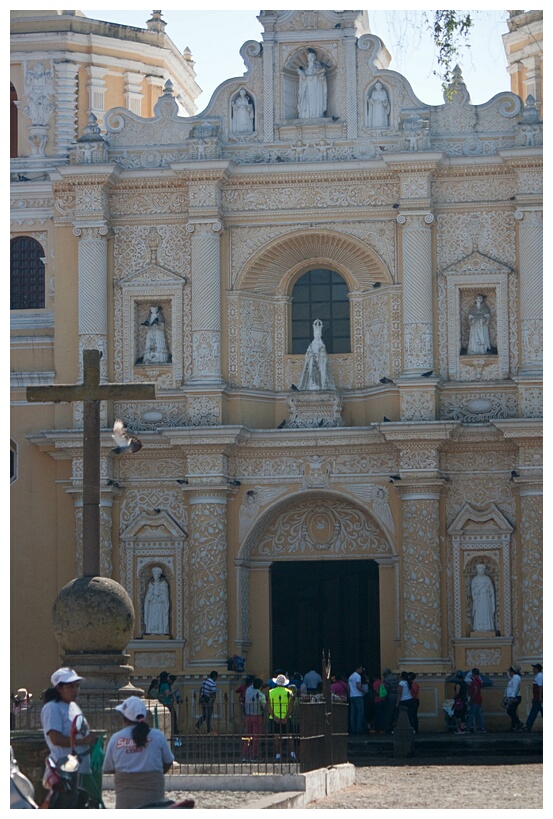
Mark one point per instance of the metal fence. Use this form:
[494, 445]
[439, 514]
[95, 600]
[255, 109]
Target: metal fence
[315, 734]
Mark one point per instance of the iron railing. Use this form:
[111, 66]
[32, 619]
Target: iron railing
[314, 736]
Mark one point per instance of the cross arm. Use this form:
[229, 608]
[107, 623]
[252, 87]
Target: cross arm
[67, 393]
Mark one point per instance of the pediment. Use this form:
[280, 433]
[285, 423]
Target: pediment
[477, 262]
[480, 521]
[154, 526]
[319, 20]
[150, 273]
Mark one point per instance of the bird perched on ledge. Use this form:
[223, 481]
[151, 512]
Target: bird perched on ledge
[126, 444]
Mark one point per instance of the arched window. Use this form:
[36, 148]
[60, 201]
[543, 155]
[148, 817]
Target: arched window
[13, 121]
[26, 274]
[321, 294]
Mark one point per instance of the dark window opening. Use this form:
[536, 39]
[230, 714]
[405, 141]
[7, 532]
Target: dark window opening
[26, 274]
[13, 122]
[321, 294]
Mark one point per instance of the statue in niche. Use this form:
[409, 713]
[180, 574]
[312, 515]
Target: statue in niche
[156, 604]
[378, 107]
[479, 330]
[316, 370]
[155, 346]
[312, 91]
[242, 114]
[483, 600]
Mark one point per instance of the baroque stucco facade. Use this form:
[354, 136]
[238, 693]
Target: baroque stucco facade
[418, 215]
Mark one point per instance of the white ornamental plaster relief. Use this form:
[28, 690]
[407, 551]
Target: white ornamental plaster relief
[483, 657]
[421, 578]
[418, 344]
[332, 194]
[487, 187]
[418, 459]
[203, 411]
[256, 344]
[530, 181]
[252, 503]
[154, 659]
[531, 402]
[379, 498]
[203, 464]
[358, 307]
[91, 198]
[147, 498]
[208, 586]
[456, 239]
[168, 414]
[233, 339]
[204, 195]
[532, 341]
[415, 186]
[417, 405]
[531, 533]
[316, 473]
[270, 467]
[150, 467]
[443, 327]
[206, 351]
[143, 201]
[345, 532]
[480, 491]
[132, 250]
[37, 104]
[478, 407]
[28, 203]
[64, 202]
[355, 464]
[480, 459]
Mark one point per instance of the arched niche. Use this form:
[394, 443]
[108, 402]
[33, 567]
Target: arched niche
[290, 80]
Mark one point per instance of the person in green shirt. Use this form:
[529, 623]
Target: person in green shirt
[280, 704]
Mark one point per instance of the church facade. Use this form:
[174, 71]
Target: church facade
[379, 495]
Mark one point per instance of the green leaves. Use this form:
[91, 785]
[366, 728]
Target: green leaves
[450, 29]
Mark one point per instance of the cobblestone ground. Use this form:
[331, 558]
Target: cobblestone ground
[468, 787]
[511, 785]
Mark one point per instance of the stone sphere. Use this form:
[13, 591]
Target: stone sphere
[93, 614]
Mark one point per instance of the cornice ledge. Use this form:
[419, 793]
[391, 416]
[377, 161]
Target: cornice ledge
[418, 430]
[520, 427]
[206, 436]
[213, 169]
[86, 174]
[411, 162]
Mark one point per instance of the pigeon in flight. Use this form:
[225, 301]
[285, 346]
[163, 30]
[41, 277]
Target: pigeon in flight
[125, 443]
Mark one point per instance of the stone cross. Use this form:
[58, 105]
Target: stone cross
[91, 392]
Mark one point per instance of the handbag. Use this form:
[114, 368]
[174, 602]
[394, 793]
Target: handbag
[505, 702]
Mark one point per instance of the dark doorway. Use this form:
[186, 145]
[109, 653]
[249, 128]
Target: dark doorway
[325, 604]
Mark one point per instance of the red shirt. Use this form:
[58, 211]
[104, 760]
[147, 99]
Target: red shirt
[474, 691]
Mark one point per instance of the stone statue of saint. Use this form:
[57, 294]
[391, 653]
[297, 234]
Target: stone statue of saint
[316, 371]
[378, 108]
[155, 346]
[483, 600]
[479, 331]
[156, 604]
[312, 92]
[242, 114]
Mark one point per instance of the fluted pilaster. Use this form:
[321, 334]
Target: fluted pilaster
[206, 302]
[66, 74]
[208, 573]
[416, 242]
[530, 234]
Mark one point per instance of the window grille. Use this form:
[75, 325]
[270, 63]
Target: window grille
[321, 294]
[26, 274]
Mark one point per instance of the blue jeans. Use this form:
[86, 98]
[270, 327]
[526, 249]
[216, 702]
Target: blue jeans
[475, 719]
[356, 713]
[537, 708]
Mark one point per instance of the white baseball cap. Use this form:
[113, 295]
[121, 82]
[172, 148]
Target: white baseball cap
[133, 709]
[64, 675]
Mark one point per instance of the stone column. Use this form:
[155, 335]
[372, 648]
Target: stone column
[206, 302]
[268, 87]
[208, 579]
[93, 275]
[531, 573]
[416, 244]
[530, 238]
[66, 105]
[350, 43]
[421, 574]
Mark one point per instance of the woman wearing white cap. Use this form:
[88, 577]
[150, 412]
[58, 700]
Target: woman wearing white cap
[57, 715]
[139, 756]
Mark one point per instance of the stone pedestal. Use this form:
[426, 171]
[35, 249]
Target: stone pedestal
[315, 408]
[485, 651]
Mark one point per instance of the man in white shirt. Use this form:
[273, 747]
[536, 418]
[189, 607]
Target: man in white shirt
[356, 701]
